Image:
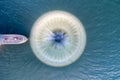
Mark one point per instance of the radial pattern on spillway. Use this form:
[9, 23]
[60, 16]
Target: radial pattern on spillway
[58, 38]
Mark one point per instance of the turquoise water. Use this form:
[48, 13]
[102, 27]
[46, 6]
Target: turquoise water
[100, 60]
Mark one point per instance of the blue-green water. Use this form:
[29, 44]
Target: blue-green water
[101, 58]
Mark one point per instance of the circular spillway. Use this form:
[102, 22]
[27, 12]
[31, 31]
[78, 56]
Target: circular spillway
[58, 38]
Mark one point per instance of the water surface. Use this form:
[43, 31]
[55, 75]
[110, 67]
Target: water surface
[100, 60]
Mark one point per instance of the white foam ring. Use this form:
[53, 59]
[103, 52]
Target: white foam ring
[42, 31]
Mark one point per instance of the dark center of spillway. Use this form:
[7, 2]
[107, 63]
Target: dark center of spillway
[58, 38]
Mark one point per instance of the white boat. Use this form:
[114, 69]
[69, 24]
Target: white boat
[6, 39]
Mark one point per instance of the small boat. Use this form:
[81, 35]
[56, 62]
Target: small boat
[7, 39]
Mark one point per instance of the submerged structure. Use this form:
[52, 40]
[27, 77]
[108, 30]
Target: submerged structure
[7, 39]
[58, 38]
